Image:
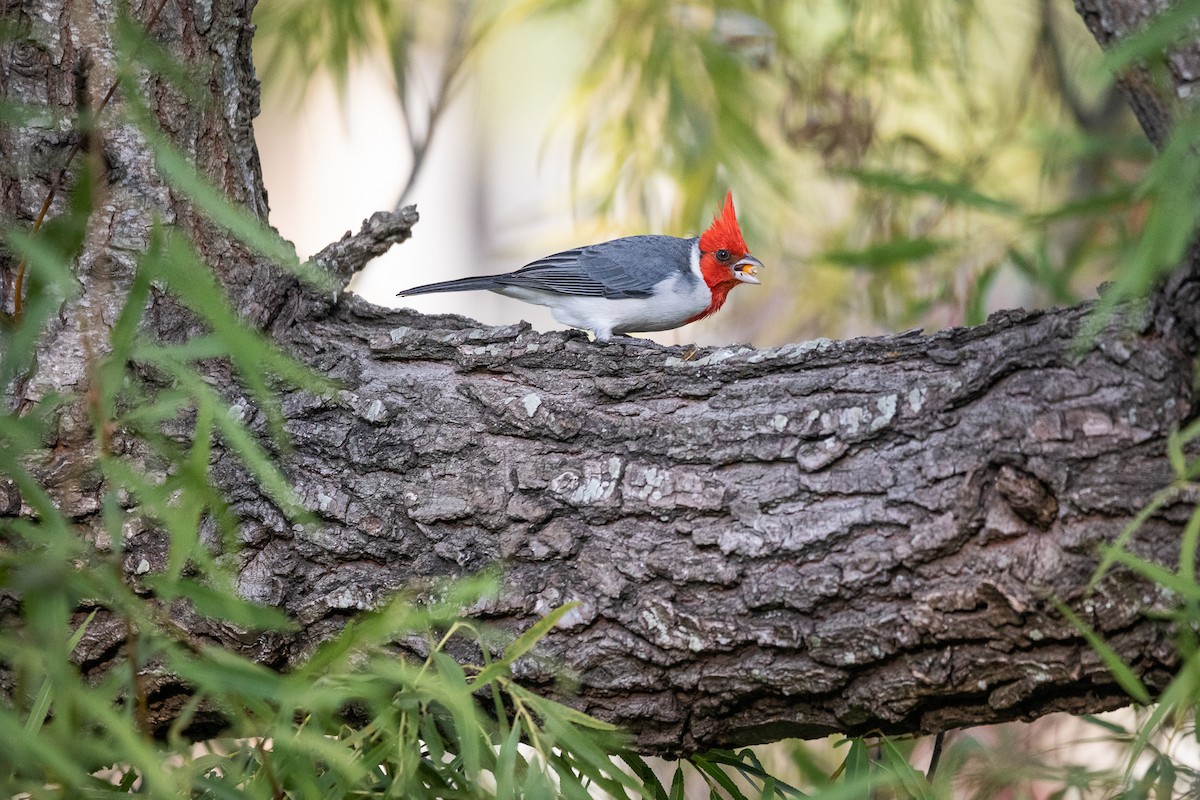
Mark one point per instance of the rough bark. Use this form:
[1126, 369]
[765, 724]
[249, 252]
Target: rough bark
[825, 536]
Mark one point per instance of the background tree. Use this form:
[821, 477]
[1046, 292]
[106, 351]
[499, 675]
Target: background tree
[818, 538]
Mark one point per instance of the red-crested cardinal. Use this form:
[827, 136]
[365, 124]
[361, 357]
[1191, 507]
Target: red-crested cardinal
[634, 284]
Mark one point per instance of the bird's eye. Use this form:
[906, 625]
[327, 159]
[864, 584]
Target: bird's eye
[722, 254]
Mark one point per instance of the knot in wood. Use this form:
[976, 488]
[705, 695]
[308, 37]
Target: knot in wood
[1028, 497]
[28, 58]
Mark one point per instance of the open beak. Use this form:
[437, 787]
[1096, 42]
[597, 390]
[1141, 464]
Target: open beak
[747, 269]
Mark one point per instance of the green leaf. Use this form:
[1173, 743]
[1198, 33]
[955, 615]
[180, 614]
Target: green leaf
[1175, 455]
[41, 704]
[1169, 187]
[909, 780]
[1164, 788]
[677, 784]
[950, 191]
[34, 757]
[749, 767]
[1108, 725]
[644, 773]
[1091, 205]
[262, 466]
[813, 771]
[523, 644]
[50, 283]
[222, 604]
[1179, 696]
[713, 773]
[221, 672]
[578, 719]
[1110, 554]
[1189, 544]
[459, 701]
[1177, 583]
[137, 50]
[858, 761]
[509, 763]
[1121, 672]
[251, 353]
[976, 306]
[885, 254]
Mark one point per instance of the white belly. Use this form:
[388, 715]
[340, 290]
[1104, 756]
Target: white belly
[671, 306]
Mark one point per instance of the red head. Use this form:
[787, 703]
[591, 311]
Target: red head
[725, 260]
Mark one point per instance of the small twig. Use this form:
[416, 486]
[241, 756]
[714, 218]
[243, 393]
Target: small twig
[141, 703]
[936, 756]
[277, 791]
[457, 50]
[351, 253]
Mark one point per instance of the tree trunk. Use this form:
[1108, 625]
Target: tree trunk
[828, 536]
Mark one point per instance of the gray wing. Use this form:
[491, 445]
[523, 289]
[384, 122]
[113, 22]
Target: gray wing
[622, 268]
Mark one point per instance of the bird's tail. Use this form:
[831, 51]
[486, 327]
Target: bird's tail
[460, 285]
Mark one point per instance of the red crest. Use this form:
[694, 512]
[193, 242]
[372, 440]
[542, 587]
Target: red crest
[724, 231]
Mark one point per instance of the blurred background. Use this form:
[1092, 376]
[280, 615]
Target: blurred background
[895, 163]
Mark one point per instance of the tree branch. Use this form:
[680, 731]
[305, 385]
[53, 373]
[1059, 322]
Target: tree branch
[834, 536]
[351, 253]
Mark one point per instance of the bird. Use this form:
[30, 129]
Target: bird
[635, 284]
